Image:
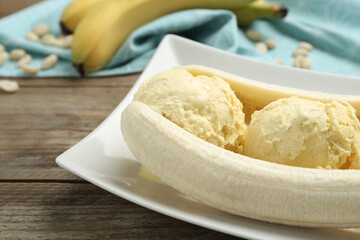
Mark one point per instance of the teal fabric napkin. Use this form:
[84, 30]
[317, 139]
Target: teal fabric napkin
[330, 25]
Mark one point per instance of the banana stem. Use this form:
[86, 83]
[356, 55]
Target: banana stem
[259, 10]
[80, 68]
[64, 29]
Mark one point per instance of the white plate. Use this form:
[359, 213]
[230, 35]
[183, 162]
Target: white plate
[103, 158]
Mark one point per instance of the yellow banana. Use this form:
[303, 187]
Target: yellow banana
[257, 10]
[73, 14]
[104, 29]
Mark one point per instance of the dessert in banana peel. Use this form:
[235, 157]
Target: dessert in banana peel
[243, 185]
[204, 106]
[305, 133]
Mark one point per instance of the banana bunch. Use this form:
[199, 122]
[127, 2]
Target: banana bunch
[236, 183]
[101, 26]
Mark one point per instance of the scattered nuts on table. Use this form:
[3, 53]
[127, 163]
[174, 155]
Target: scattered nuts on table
[24, 60]
[32, 37]
[306, 46]
[30, 70]
[16, 54]
[270, 43]
[9, 86]
[41, 29]
[302, 62]
[278, 61]
[300, 52]
[2, 48]
[253, 35]
[261, 47]
[49, 61]
[3, 57]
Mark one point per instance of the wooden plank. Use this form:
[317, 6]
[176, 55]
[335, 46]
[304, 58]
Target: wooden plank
[40, 122]
[106, 82]
[91, 101]
[84, 211]
[10, 6]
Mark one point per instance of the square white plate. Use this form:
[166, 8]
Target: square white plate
[103, 158]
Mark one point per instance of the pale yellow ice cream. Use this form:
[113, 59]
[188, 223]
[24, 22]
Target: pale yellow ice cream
[204, 106]
[305, 133]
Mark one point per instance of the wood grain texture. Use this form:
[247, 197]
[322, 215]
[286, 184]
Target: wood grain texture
[10, 6]
[43, 120]
[38, 199]
[84, 211]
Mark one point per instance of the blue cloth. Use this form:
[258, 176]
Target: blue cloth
[330, 25]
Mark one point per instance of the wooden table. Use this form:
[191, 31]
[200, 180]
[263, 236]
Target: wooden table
[38, 199]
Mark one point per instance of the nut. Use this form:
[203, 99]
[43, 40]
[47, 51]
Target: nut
[32, 37]
[261, 47]
[2, 48]
[16, 54]
[278, 61]
[49, 61]
[51, 40]
[298, 61]
[3, 57]
[302, 62]
[9, 86]
[24, 60]
[66, 41]
[270, 43]
[306, 46]
[300, 52]
[254, 36]
[306, 63]
[41, 29]
[30, 70]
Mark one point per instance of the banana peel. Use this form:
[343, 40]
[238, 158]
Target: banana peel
[105, 28]
[259, 10]
[238, 184]
[74, 13]
[101, 26]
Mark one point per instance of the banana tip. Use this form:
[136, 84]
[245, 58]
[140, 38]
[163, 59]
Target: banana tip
[64, 29]
[80, 68]
[283, 12]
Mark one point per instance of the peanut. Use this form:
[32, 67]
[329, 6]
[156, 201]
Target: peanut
[66, 41]
[30, 70]
[300, 52]
[51, 40]
[9, 86]
[306, 46]
[41, 29]
[49, 61]
[16, 54]
[306, 63]
[302, 62]
[3, 57]
[254, 36]
[261, 47]
[270, 43]
[32, 37]
[278, 61]
[2, 48]
[24, 60]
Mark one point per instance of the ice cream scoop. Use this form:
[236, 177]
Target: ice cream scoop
[202, 105]
[305, 133]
